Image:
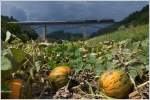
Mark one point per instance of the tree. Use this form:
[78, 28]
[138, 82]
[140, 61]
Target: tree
[24, 33]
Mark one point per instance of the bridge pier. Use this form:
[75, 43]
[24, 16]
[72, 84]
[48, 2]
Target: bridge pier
[45, 33]
[84, 32]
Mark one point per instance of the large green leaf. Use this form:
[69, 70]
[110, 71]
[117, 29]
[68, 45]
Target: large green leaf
[18, 55]
[5, 87]
[6, 64]
[8, 36]
[5, 91]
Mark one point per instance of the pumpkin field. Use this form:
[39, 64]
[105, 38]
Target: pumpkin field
[75, 50]
[75, 70]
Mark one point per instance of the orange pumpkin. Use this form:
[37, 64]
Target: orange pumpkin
[115, 84]
[15, 87]
[59, 76]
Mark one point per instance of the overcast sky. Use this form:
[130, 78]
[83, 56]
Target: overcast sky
[52, 10]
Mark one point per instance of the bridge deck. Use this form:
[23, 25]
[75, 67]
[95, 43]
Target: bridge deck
[64, 22]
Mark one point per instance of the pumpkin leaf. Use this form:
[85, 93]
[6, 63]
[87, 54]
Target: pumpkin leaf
[5, 87]
[8, 36]
[18, 55]
[38, 65]
[6, 64]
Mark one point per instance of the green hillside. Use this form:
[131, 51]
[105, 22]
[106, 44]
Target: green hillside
[137, 18]
[135, 33]
[134, 26]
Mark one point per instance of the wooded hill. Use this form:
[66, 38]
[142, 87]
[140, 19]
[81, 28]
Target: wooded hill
[134, 19]
[24, 33]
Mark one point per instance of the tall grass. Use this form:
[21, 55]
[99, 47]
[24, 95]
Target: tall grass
[135, 33]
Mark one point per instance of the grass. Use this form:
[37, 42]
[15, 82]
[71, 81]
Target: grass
[135, 33]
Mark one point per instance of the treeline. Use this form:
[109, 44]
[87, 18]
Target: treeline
[25, 33]
[137, 18]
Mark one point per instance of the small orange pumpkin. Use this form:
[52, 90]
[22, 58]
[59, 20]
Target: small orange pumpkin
[115, 84]
[15, 87]
[59, 76]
